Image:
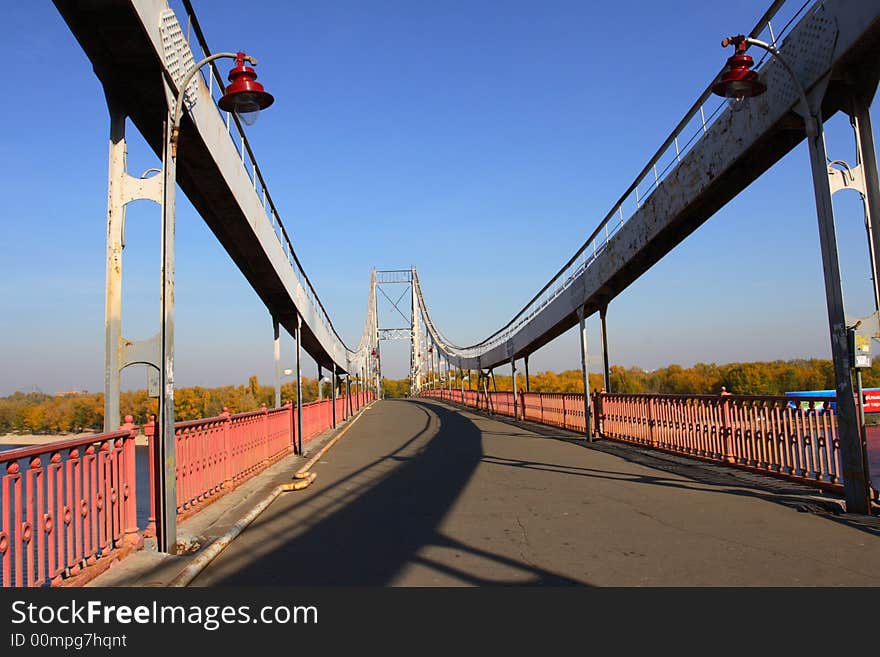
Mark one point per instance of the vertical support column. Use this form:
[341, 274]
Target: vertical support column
[513, 377]
[333, 392]
[276, 332]
[606, 367]
[113, 298]
[867, 160]
[854, 470]
[526, 362]
[299, 390]
[167, 504]
[489, 406]
[415, 344]
[585, 373]
[320, 385]
[378, 371]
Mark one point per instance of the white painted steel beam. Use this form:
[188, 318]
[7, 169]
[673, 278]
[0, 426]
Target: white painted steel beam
[835, 43]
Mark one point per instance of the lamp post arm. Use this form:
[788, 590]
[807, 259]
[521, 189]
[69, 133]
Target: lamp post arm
[809, 118]
[178, 105]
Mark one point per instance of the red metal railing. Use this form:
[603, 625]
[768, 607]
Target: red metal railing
[73, 504]
[783, 436]
[559, 409]
[214, 455]
[773, 434]
[66, 505]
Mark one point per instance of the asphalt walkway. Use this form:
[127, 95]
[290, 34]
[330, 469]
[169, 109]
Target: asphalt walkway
[418, 493]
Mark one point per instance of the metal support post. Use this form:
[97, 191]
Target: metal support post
[854, 472]
[276, 329]
[113, 301]
[415, 365]
[606, 367]
[526, 362]
[513, 378]
[378, 371]
[489, 408]
[333, 392]
[867, 161]
[299, 391]
[166, 506]
[584, 371]
[320, 385]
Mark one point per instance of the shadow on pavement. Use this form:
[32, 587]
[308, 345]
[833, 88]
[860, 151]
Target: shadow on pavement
[363, 528]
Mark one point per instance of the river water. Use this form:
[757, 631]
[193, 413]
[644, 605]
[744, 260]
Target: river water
[142, 468]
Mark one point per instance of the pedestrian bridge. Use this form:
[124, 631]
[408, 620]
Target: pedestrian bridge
[420, 492]
[469, 469]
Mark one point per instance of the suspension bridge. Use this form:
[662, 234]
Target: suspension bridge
[460, 483]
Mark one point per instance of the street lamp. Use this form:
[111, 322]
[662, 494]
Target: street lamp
[244, 96]
[739, 81]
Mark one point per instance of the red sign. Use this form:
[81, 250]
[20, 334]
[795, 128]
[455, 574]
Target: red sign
[872, 401]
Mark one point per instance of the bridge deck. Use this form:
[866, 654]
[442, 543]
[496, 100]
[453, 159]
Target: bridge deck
[420, 494]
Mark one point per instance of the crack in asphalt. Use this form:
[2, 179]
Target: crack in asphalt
[526, 541]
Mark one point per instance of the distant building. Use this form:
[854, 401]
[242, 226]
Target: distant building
[71, 393]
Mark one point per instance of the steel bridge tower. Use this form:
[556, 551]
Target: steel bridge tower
[388, 283]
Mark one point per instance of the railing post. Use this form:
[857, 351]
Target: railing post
[598, 412]
[265, 412]
[585, 372]
[513, 388]
[651, 421]
[129, 488]
[227, 449]
[727, 426]
[150, 433]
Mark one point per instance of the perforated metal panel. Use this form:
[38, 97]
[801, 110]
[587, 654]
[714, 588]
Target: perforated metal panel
[178, 56]
[808, 50]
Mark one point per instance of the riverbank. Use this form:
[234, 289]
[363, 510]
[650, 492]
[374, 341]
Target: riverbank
[28, 439]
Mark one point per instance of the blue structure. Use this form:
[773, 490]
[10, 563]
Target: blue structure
[807, 394]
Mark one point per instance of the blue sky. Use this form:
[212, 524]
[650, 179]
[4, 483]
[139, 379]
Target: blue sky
[478, 141]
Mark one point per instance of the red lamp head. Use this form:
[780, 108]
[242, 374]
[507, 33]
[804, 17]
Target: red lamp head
[738, 79]
[245, 96]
